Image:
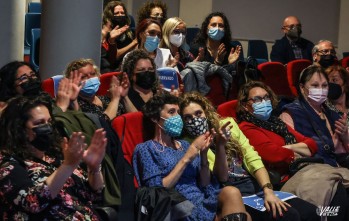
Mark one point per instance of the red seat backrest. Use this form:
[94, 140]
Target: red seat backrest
[345, 62]
[274, 75]
[48, 86]
[105, 82]
[294, 68]
[228, 109]
[129, 128]
[216, 95]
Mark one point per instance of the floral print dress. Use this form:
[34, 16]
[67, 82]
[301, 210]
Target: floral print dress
[24, 194]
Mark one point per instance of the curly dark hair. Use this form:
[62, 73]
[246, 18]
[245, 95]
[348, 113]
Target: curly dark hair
[13, 139]
[233, 147]
[129, 64]
[145, 10]
[108, 12]
[151, 111]
[344, 74]
[245, 90]
[8, 77]
[202, 36]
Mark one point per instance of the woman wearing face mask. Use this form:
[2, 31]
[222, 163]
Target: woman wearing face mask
[214, 41]
[174, 31]
[340, 76]
[309, 116]
[40, 173]
[156, 10]
[140, 68]
[107, 107]
[199, 116]
[120, 34]
[163, 160]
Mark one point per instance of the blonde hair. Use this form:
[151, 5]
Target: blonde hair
[167, 29]
[80, 63]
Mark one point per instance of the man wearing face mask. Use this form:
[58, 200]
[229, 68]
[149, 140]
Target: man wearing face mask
[292, 46]
[324, 54]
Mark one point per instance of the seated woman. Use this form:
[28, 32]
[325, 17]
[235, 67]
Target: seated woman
[277, 143]
[149, 34]
[121, 36]
[199, 116]
[107, 107]
[215, 39]
[309, 116]
[174, 31]
[340, 76]
[166, 161]
[40, 173]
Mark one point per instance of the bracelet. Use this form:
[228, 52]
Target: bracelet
[93, 172]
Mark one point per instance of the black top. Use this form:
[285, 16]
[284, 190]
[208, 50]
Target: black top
[194, 49]
[282, 50]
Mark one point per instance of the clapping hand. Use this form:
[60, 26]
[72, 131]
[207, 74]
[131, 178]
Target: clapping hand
[94, 154]
[234, 54]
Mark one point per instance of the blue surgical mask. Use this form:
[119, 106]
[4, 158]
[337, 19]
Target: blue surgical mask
[262, 110]
[91, 87]
[173, 126]
[151, 43]
[215, 34]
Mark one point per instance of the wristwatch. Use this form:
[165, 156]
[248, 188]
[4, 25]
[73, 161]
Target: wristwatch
[267, 185]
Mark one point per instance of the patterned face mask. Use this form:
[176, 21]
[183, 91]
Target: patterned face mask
[173, 126]
[196, 126]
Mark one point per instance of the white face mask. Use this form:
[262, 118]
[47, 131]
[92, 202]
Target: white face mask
[318, 95]
[177, 39]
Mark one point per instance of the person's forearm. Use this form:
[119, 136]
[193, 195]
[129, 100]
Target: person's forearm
[262, 176]
[129, 105]
[95, 179]
[112, 108]
[122, 51]
[57, 179]
[205, 174]
[172, 178]
[220, 168]
[300, 148]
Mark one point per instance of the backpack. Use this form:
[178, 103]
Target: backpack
[247, 71]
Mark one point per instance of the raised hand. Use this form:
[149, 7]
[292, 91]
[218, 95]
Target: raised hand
[221, 52]
[125, 85]
[172, 62]
[73, 149]
[94, 154]
[116, 32]
[75, 84]
[234, 54]
[341, 128]
[223, 135]
[201, 54]
[114, 89]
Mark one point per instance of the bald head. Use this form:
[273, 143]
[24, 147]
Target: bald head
[291, 20]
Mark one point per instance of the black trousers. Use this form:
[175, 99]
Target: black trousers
[300, 210]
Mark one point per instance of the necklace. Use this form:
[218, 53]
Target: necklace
[162, 148]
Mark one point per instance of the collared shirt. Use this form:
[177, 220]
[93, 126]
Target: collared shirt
[296, 50]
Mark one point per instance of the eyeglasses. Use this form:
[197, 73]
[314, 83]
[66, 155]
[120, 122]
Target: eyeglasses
[327, 51]
[178, 31]
[292, 26]
[259, 99]
[157, 15]
[154, 33]
[26, 76]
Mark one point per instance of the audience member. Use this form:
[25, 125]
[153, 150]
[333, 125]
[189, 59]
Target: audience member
[166, 161]
[292, 46]
[340, 76]
[279, 145]
[214, 41]
[106, 107]
[153, 9]
[140, 68]
[174, 31]
[124, 39]
[324, 54]
[234, 153]
[41, 177]
[310, 116]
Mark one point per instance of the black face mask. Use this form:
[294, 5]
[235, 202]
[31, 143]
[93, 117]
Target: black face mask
[121, 21]
[334, 91]
[327, 60]
[145, 79]
[44, 137]
[294, 33]
[31, 87]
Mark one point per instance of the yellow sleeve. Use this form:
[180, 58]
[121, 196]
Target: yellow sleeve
[252, 161]
[211, 158]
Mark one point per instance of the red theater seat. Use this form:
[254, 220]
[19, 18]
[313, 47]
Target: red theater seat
[274, 75]
[216, 95]
[105, 82]
[345, 62]
[228, 109]
[294, 68]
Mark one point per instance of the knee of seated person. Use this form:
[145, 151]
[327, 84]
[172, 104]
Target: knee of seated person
[230, 193]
